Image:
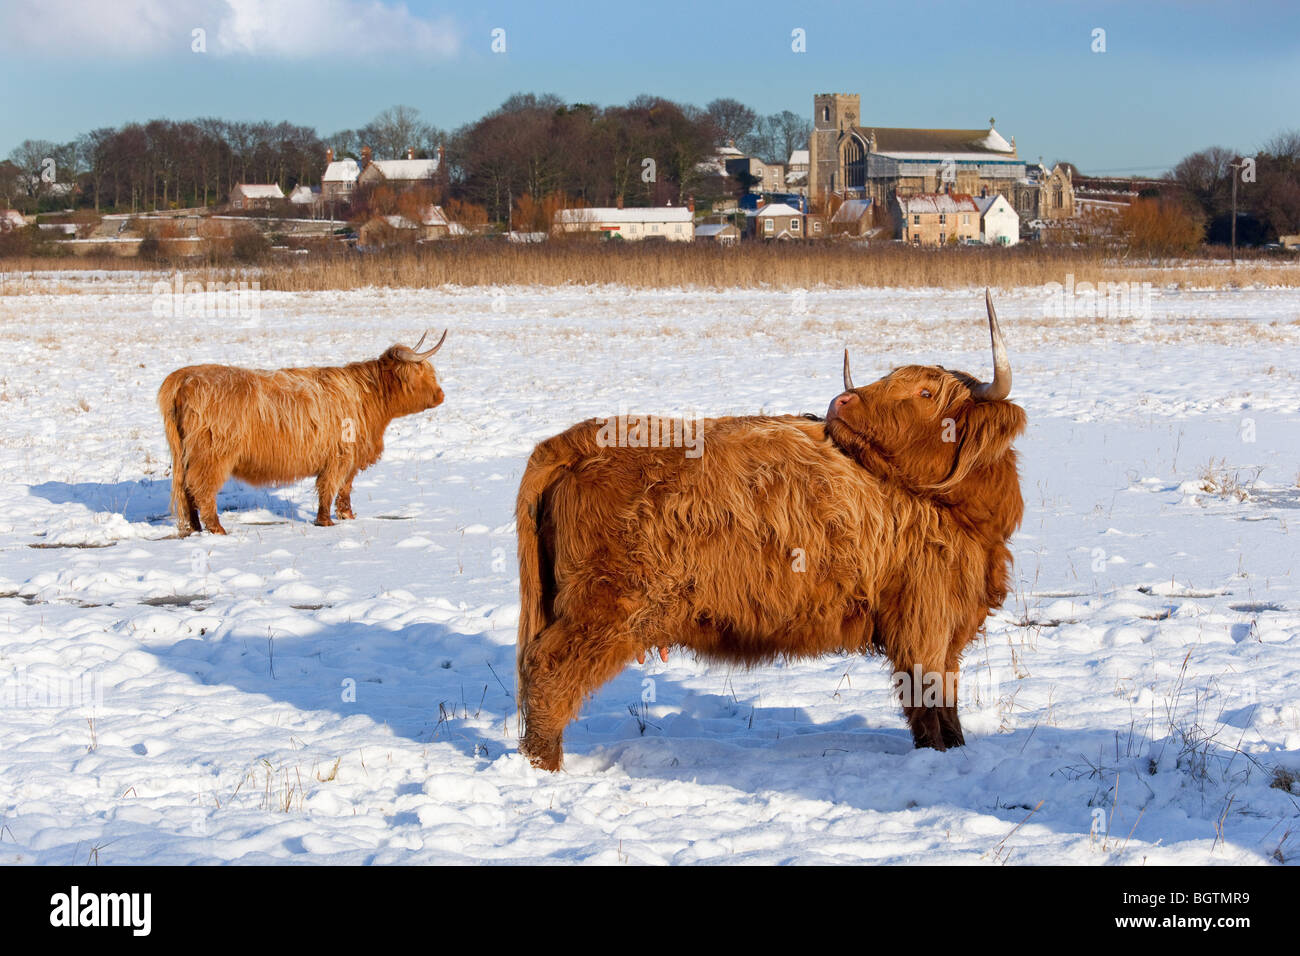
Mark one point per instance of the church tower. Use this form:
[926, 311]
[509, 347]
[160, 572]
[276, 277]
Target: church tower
[833, 114]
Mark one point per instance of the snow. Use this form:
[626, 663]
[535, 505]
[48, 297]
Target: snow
[936, 203]
[256, 191]
[345, 695]
[341, 171]
[610, 214]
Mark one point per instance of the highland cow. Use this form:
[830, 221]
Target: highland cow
[882, 528]
[275, 427]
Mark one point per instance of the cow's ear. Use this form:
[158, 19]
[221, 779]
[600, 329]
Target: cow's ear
[987, 431]
[984, 433]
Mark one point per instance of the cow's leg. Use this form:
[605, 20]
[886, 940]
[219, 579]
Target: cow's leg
[192, 510]
[949, 722]
[563, 666]
[202, 482]
[923, 697]
[327, 486]
[343, 503]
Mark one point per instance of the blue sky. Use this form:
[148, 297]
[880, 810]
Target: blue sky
[1175, 76]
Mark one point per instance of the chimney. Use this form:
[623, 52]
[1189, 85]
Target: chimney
[329, 155]
[365, 156]
[410, 152]
[690, 203]
[620, 201]
[440, 156]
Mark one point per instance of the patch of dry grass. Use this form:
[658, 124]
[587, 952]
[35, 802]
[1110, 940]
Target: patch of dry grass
[689, 265]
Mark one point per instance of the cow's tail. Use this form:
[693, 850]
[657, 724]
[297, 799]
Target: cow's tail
[168, 404]
[536, 576]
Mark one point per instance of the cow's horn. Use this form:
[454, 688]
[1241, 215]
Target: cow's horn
[425, 355]
[415, 355]
[848, 379]
[1000, 387]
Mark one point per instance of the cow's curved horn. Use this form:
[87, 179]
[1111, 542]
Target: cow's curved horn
[1000, 387]
[425, 355]
[414, 355]
[848, 379]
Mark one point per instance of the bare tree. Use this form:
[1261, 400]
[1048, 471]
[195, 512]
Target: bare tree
[394, 131]
[734, 120]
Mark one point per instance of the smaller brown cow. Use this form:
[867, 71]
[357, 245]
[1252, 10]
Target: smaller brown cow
[276, 427]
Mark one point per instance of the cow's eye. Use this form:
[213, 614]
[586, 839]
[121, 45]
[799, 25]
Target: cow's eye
[925, 393]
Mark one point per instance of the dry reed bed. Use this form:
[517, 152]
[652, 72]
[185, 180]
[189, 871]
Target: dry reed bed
[644, 266]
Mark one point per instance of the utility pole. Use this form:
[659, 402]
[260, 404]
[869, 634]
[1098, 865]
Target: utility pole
[1235, 174]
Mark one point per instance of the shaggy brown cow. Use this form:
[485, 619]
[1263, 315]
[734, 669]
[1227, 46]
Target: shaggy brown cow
[883, 528]
[277, 427]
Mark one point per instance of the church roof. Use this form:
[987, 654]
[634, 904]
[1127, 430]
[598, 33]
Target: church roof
[897, 140]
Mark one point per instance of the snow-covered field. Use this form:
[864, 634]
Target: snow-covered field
[345, 694]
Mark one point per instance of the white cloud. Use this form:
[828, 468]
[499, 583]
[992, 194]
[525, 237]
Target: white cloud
[299, 29]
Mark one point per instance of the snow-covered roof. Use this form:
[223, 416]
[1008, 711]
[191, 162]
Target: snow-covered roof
[304, 194]
[712, 229]
[774, 209]
[259, 191]
[611, 214]
[406, 168]
[799, 157]
[342, 171]
[995, 141]
[12, 219]
[983, 203]
[429, 216]
[938, 157]
[851, 210]
[525, 237]
[937, 202]
[911, 142]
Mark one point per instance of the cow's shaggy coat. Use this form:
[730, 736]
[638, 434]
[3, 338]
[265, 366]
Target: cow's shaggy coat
[883, 528]
[275, 427]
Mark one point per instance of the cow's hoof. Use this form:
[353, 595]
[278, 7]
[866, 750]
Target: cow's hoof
[347, 516]
[543, 756]
[324, 522]
[216, 529]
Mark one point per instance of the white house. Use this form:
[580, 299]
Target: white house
[999, 224]
[254, 196]
[340, 178]
[672, 223]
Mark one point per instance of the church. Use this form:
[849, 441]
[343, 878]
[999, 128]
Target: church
[856, 161]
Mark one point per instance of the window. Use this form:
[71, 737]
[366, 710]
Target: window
[965, 220]
[1058, 197]
[916, 220]
[768, 225]
[916, 240]
[943, 219]
[826, 114]
[794, 225]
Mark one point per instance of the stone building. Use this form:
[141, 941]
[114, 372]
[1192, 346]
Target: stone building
[936, 219]
[852, 160]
